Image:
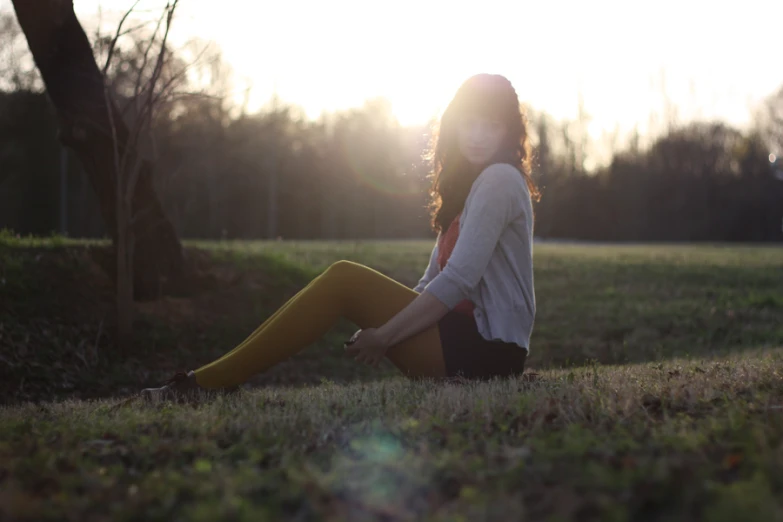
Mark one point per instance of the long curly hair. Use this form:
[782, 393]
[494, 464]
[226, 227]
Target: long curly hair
[483, 95]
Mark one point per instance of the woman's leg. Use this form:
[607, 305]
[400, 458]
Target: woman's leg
[358, 293]
[258, 330]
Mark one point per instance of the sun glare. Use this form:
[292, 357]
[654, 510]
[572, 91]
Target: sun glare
[327, 56]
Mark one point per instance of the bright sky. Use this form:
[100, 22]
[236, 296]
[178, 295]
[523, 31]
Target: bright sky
[719, 58]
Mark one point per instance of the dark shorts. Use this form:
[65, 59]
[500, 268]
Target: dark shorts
[469, 355]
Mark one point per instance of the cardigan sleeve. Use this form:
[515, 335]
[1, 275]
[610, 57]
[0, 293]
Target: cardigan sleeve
[497, 199]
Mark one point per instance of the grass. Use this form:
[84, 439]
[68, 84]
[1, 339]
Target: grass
[612, 304]
[680, 441]
[659, 397]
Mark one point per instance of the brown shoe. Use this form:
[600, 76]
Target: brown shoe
[181, 386]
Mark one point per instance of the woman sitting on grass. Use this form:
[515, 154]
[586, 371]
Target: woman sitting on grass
[471, 314]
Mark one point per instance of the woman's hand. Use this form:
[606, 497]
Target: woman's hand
[367, 347]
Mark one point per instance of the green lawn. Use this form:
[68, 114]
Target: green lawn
[613, 304]
[659, 397]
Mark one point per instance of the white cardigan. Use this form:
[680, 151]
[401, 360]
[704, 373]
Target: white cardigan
[492, 262]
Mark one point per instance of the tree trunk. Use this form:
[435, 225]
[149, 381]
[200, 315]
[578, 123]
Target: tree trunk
[75, 86]
[124, 295]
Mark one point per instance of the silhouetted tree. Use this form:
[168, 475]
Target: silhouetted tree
[75, 85]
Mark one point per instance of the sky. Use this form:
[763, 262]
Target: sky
[712, 60]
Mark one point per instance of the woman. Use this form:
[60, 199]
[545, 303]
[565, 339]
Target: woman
[472, 312]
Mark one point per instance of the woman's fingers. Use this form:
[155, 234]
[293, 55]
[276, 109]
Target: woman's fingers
[373, 360]
[364, 357]
[364, 349]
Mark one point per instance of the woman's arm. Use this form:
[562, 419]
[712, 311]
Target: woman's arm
[370, 345]
[423, 312]
[496, 202]
[431, 271]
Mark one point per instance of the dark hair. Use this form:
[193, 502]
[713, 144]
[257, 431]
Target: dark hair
[485, 95]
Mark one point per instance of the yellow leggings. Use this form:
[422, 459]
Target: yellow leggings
[349, 290]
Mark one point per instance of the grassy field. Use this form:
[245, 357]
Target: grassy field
[659, 397]
[611, 304]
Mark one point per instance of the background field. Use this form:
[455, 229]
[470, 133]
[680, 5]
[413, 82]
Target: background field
[658, 396]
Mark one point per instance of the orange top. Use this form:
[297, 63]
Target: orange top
[446, 243]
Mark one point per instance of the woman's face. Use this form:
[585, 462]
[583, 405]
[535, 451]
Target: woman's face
[480, 138]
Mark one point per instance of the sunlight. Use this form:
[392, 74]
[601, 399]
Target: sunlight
[329, 56]
[410, 58]
[337, 68]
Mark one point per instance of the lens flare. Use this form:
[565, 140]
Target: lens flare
[379, 177]
[375, 472]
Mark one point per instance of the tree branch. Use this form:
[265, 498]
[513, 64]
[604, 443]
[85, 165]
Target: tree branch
[117, 37]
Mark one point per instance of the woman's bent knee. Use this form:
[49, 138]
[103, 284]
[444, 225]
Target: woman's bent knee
[344, 268]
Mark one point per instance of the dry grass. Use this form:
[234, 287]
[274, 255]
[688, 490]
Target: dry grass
[683, 440]
[688, 427]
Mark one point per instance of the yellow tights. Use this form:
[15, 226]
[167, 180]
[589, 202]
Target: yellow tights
[349, 290]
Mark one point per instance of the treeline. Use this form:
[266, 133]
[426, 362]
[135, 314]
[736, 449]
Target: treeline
[701, 182]
[358, 174]
[222, 172]
[354, 175]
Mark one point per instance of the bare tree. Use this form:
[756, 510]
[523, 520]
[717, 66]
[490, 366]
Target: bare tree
[93, 126]
[130, 158]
